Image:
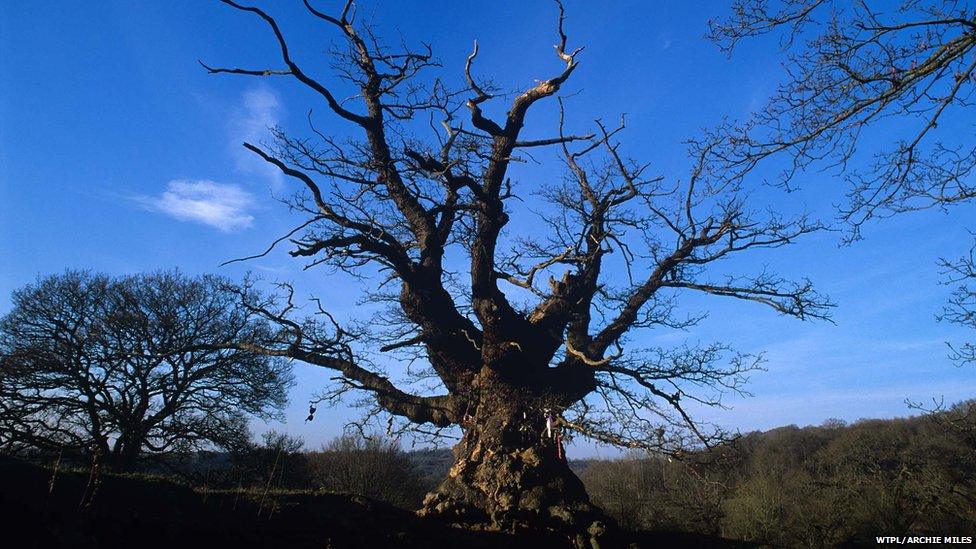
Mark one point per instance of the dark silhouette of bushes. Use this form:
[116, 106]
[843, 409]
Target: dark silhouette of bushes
[279, 462]
[375, 467]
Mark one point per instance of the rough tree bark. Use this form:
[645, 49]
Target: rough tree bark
[399, 203]
[509, 473]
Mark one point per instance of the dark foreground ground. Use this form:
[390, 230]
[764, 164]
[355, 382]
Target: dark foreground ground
[149, 512]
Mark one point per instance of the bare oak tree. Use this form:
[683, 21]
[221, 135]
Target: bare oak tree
[521, 345]
[95, 364]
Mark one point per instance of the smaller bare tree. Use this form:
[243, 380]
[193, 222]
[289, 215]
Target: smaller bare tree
[112, 366]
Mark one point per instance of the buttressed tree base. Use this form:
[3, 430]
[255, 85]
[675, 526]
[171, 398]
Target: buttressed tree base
[525, 338]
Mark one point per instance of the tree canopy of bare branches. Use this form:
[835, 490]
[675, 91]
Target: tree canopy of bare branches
[961, 308]
[852, 68]
[99, 365]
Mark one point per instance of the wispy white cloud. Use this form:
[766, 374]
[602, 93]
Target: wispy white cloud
[226, 207]
[260, 109]
[222, 206]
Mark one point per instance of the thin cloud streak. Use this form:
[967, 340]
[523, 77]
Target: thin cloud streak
[259, 111]
[222, 206]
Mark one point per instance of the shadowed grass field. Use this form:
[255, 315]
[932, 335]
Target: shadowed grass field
[144, 511]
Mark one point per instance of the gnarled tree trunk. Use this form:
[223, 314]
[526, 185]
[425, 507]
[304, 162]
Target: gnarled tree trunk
[509, 474]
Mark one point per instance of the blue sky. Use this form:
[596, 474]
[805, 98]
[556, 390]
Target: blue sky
[120, 154]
